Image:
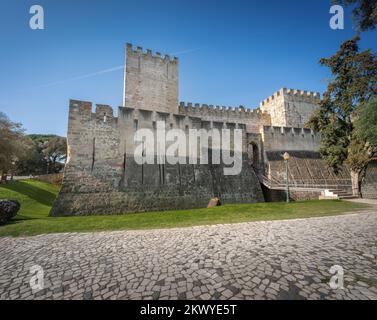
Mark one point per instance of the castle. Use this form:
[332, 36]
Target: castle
[102, 177]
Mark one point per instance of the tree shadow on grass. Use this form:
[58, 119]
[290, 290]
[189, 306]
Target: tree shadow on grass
[21, 217]
[33, 192]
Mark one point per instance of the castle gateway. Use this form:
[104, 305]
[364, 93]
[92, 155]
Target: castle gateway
[102, 177]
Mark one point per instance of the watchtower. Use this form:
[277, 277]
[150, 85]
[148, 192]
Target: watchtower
[150, 81]
[291, 108]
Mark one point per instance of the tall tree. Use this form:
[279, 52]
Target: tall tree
[354, 81]
[363, 145]
[47, 155]
[55, 153]
[364, 13]
[13, 144]
[366, 123]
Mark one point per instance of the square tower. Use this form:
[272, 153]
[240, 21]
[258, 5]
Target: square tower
[150, 81]
[291, 108]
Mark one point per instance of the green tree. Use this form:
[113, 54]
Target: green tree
[354, 81]
[55, 153]
[47, 155]
[366, 123]
[364, 13]
[13, 144]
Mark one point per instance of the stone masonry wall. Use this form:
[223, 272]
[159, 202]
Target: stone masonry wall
[253, 119]
[290, 108]
[101, 176]
[151, 81]
[288, 138]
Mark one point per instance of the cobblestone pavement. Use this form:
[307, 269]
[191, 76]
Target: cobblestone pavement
[287, 259]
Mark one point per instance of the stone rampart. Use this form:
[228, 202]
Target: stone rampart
[102, 177]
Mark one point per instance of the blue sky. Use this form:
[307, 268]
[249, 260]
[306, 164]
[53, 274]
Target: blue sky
[237, 52]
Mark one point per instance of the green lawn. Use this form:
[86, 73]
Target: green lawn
[36, 199]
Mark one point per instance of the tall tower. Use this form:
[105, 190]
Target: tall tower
[150, 81]
[291, 108]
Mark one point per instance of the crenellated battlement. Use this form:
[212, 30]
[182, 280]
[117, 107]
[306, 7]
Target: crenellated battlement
[84, 109]
[150, 80]
[196, 108]
[293, 94]
[289, 138]
[276, 130]
[101, 112]
[149, 54]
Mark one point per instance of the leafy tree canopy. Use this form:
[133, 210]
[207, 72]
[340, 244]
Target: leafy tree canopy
[354, 81]
[29, 154]
[13, 143]
[364, 13]
[366, 123]
[48, 155]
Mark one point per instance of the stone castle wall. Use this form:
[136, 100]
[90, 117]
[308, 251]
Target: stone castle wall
[253, 119]
[289, 139]
[101, 175]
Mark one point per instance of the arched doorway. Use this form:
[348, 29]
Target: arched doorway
[253, 154]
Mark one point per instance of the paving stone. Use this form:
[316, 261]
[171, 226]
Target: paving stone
[256, 280]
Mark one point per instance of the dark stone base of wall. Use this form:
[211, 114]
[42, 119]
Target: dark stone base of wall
[129, 202]
[86, 192]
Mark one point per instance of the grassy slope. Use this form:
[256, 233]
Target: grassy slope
[36, 199]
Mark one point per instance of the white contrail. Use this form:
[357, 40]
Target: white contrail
[81, 77]
[89, 75]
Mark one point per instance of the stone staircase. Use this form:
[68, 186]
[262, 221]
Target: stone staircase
[307, 172]
[343, 193]
[338, 193]
[329, 189]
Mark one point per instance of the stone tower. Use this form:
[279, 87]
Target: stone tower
[290, 108]
[150, 81]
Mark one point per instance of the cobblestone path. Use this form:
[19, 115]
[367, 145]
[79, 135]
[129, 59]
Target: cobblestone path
[288, 259]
